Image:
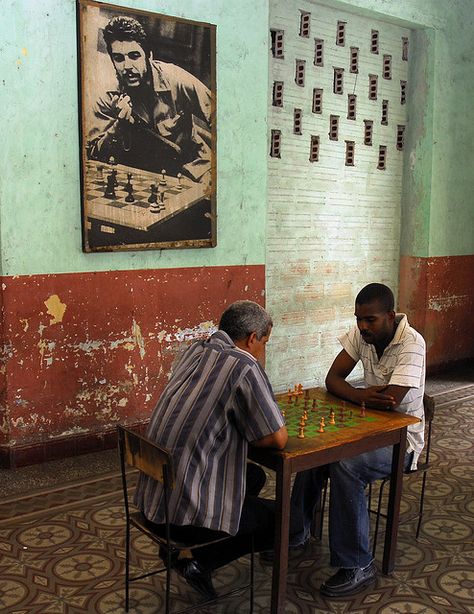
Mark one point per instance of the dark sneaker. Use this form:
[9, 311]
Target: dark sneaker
[196, 577]
[349, 581]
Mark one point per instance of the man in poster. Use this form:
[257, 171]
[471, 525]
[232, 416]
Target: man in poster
[158, 117]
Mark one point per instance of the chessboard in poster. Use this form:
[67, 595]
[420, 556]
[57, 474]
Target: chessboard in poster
[148, 129]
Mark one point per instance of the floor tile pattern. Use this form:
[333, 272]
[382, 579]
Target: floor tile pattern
[62, 548]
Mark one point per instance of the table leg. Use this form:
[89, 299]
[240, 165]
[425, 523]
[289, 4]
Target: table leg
[396, 487]
[282, 522]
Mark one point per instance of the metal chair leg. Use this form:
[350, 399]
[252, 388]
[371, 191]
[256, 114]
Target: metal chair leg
[422, 500]
[252, 574]
[168, 580]
[377, 522]
[127, 567]
[321, 510]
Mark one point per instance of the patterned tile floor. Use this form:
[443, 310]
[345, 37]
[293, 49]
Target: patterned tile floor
[61, 547]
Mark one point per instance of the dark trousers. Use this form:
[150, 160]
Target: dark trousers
[257, 518]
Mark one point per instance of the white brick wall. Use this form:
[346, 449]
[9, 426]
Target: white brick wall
[331, 228]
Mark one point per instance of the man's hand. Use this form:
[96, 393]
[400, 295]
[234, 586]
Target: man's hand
[375, 397]
[169, 126]
[123, 107]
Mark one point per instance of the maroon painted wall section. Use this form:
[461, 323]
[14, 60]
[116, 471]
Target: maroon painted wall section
[438, 295]
[3, 387]
[85, 351]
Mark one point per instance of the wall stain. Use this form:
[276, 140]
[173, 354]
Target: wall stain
[55, 308]
[445, 303]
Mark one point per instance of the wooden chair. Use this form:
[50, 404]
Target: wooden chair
[423, 467]
[156, 462]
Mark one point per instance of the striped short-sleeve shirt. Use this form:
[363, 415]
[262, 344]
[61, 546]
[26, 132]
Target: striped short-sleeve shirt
[217, 400]
[401, 364]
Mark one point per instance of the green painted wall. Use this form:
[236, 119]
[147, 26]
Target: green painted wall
[39, 174]
[39, 190]
[439, 203]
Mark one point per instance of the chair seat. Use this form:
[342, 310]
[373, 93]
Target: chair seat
[157, 533]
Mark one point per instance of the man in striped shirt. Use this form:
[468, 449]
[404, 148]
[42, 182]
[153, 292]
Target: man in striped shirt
[217, 403]
[393, 358]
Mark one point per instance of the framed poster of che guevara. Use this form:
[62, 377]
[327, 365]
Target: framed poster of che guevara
[147, 129]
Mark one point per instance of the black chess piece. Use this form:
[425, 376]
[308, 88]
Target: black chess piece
[129, 189]
[110, 187]
[152, 199]
[162, 199]
[129, 198]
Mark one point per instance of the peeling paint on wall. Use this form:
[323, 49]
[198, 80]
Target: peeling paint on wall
[109, 354]
[433, 294]
[137, 333]
[55, 309]
[445, 303]
[45, 350]
[89, 346]
[202, 330]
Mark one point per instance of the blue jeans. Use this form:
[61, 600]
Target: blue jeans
[348, 513]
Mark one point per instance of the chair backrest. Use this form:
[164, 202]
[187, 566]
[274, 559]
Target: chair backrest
[139, 452]
[429, 407]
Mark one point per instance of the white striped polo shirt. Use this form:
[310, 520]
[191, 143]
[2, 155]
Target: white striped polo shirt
[401, 364]
[217, 400]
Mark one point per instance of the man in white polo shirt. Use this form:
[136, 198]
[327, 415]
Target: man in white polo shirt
[393, 357]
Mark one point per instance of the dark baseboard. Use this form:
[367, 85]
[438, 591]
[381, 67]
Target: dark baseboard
[12, 457]
[455, 366]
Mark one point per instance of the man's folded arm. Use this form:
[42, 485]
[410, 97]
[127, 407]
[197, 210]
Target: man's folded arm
[274, 440]
[377, 397]
[336, 383]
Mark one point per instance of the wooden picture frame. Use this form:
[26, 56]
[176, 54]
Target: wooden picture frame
[147, 129]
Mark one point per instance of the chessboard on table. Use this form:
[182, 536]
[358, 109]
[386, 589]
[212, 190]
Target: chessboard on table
[178, 195]
[304, 411]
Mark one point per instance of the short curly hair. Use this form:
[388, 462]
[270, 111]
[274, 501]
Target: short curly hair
[376, 292]
[122, 28]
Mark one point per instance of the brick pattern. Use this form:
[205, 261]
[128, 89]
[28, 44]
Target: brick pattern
[331, 227]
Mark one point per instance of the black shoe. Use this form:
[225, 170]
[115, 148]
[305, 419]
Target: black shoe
[163, 554]
[349, 581]
[196, 577]
[267, 557]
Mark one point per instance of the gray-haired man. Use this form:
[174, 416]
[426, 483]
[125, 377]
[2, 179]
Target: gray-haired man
[217, 402]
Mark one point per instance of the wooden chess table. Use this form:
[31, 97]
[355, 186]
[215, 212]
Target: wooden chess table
[376, 429]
